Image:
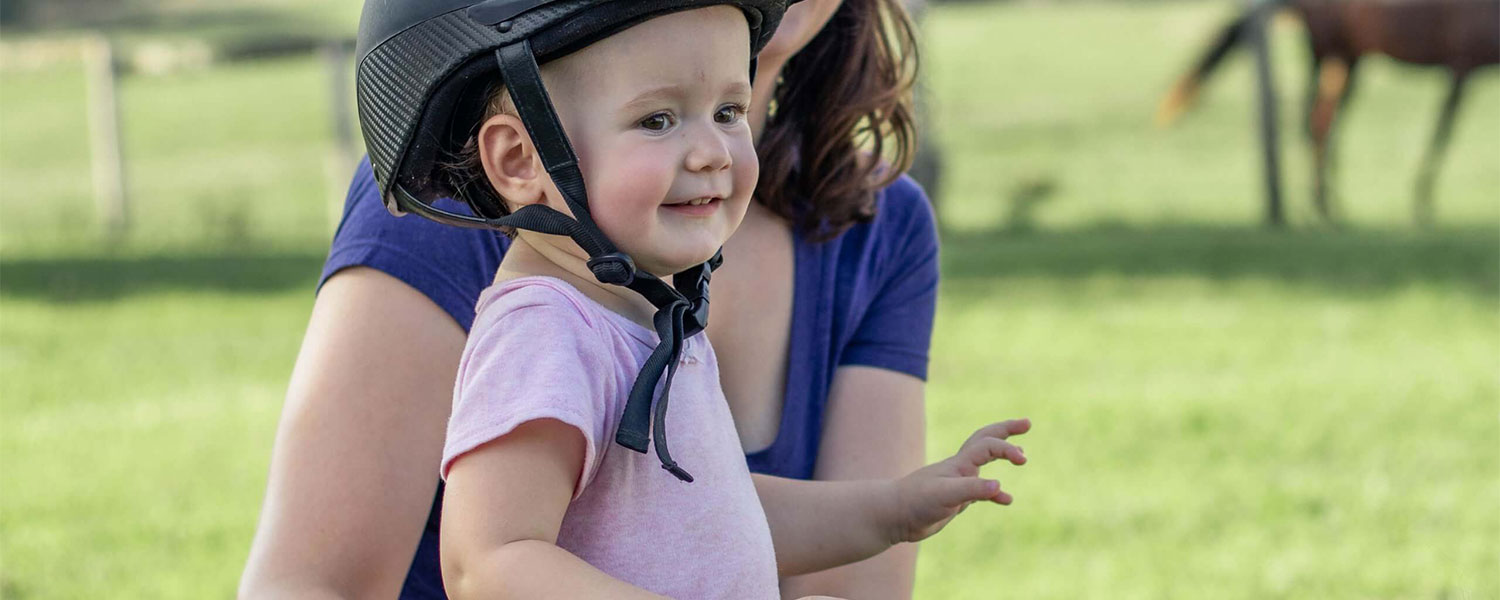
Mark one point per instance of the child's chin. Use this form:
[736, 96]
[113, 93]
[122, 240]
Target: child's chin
[676, 264]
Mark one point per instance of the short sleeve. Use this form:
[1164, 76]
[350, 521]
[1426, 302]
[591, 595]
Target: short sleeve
[533, 355]
[448, 264]
[896, 331]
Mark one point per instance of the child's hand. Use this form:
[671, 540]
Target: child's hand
[931, 496]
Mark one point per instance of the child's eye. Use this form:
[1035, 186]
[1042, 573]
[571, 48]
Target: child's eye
[657, 122]
[729, 114]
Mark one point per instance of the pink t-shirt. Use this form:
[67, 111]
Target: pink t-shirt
[541, 349]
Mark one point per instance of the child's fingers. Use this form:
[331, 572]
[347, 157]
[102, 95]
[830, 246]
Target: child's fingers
[958, 491]
[1003, 429]
[977, 453]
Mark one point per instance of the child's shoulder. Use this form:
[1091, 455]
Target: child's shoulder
[535, 304]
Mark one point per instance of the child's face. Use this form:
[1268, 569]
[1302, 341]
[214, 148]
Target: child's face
[656, 114]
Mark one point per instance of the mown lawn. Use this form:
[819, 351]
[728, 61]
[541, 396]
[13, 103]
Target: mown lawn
[1221, 411]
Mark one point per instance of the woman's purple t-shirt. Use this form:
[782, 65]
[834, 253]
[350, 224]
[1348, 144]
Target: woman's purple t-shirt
[866, 297]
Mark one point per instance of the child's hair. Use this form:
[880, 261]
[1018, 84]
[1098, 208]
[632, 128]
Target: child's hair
[463, 170]
[844, 99]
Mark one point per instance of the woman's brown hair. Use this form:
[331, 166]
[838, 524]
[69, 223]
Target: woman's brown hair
[841, 125]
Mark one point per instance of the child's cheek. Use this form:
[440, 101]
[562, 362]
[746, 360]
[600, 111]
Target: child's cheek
[746, 167]
[631, 188]
[643, 176]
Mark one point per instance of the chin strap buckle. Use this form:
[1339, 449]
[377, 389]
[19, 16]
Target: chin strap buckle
[693, 285]
[697, 317]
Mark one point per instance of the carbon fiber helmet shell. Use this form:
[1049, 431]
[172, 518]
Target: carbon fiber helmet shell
[422, 67]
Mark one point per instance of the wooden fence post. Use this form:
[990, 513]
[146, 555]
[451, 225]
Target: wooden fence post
[108, 163]
[342, 156]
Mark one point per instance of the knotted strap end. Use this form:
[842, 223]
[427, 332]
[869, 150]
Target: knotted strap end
[677, 472]
[634, 440]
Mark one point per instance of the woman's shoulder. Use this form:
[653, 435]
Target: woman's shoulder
[903, 221]
[366, 217]
[449, 265]
[904, 201]
[905, 189]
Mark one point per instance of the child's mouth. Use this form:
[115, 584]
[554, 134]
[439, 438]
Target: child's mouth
[697, 207]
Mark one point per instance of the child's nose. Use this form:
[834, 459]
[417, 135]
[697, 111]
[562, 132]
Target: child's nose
[707, 151]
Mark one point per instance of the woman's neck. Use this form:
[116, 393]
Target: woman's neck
[532, 255]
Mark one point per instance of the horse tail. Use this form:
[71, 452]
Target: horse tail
[1186, 90]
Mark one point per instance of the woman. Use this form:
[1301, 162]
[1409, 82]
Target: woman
[821, 317]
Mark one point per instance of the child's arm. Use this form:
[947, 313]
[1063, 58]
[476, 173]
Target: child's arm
[816, 525]
[501, 513]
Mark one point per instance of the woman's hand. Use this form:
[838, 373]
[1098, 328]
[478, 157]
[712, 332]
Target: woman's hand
[931, 496]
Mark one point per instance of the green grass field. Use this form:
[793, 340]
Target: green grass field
[1221, 411]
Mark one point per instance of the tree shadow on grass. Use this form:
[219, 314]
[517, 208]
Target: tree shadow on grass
[1349, 261]
[199, 20]
[1342, 261]
[99, 279]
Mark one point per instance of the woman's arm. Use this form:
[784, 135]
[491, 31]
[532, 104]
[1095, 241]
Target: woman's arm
[502, 510]
[875, 428]
[355, 463]
[874, 422]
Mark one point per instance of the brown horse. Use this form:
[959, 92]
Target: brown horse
[1459, 35]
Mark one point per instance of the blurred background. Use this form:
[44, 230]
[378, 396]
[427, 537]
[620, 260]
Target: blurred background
[1223, 409]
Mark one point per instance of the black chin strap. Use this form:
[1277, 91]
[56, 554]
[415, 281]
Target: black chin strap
[681, 308]
[523, 79]
[681, 313]
[637, 417]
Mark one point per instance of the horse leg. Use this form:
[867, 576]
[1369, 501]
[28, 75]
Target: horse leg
[1332, 81]
[1343, 102]
[1310, 103]
[1435, 150]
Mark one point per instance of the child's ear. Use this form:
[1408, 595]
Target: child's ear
[510, 160]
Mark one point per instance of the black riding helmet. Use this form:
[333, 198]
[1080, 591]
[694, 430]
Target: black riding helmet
[422, 70]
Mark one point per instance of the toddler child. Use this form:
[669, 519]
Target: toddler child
[579, 340]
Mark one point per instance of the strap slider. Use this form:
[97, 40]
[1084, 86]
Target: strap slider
[697, 317]
[613, 268]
